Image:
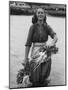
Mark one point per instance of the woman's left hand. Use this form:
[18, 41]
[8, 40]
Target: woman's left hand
[54, 41]
[52, 44]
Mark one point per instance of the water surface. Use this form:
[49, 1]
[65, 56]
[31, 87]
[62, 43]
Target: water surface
[19, 27]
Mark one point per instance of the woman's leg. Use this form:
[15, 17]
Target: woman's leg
[46, 68]
[35, 75]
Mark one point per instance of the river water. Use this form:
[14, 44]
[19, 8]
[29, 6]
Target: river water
[19, 27]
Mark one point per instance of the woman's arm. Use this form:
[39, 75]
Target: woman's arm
[28, 43]
[27, 49]
[55, 39]
[53, 36]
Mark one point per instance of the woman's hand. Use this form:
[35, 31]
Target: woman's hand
[25, 61]
[53, 41]
[51, 44]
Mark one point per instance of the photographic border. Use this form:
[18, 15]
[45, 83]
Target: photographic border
[65, 47]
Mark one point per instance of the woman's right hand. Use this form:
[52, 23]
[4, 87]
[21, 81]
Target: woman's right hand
[25, 61]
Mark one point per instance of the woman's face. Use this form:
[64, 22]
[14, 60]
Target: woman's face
[40, 14]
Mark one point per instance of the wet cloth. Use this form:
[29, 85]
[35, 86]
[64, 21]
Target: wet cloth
[43, 71]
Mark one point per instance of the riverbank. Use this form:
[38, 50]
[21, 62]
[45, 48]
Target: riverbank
[27, 12]
[26, 8]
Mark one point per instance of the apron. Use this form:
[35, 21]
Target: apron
[39, 75]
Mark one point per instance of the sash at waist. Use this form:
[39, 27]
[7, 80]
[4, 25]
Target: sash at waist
[39, 44]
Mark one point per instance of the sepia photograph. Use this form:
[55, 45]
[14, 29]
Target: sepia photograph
[37, 44]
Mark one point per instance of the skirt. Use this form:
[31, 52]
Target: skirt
[40, 75]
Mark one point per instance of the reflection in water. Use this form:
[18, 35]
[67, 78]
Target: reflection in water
[19, 27]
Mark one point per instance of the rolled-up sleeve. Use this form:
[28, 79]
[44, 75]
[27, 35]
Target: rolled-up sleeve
[30, 36]
[51, 32]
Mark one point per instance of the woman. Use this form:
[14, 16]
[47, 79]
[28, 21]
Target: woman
[37, 37]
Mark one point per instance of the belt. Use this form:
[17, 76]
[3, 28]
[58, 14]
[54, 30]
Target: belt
[39, 44]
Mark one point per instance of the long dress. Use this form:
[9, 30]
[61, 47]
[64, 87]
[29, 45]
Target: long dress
[39, 35]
